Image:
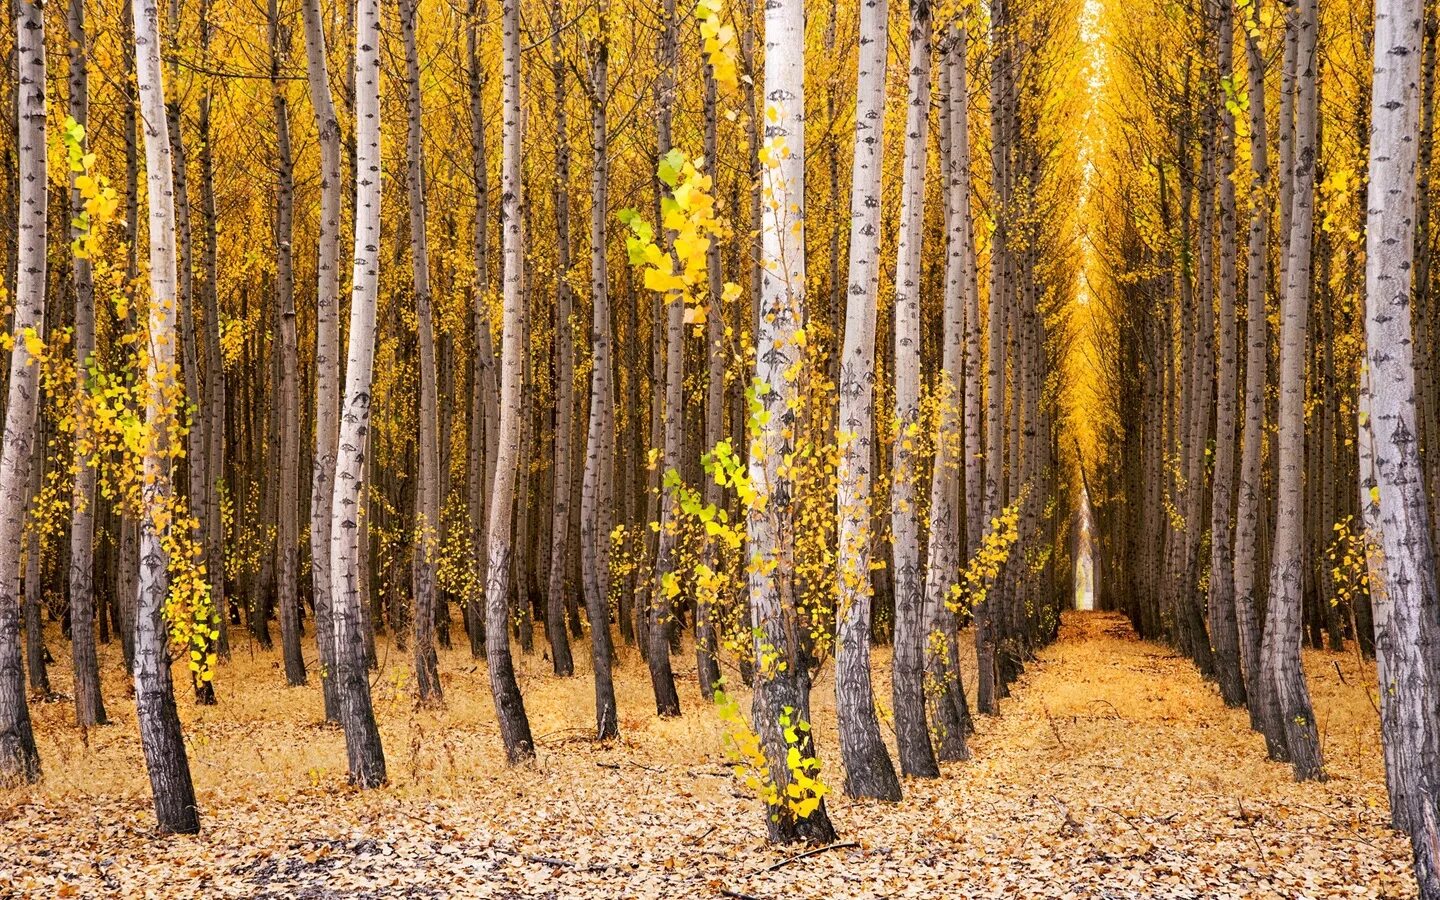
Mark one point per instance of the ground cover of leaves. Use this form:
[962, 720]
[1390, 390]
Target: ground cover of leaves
[1113, 771]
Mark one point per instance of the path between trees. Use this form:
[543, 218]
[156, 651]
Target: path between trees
[1114, 771]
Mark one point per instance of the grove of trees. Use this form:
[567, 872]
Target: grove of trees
[767, 333]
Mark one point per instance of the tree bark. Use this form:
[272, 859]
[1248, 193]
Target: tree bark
[1403, 571]
[287, 531]
[509, 705]
[868, 769]
[597, 497]
[564, 446]
[160, 735]
[782, 680]
[1280, 651]
[365, 756]
[327, 352]
[917, 757]
[1224, 632]
[428, 498]
[19, 758]
[89, 705]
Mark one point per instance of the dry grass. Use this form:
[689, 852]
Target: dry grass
[1113, 771]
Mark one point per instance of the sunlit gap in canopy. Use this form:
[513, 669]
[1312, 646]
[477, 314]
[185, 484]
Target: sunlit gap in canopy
[1082, 361]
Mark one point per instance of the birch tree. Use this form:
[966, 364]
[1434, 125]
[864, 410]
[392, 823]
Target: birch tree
[1280, 651]
[782, 681]
[917, 757]
[160, 736]
[1403, 568]
[564, 447]
[89, 704]
[1224, 633]
[509, 705]
[598, 487]
[868, 769]
[19, 758]
[288, 495]
[365, 756]
[327, 351]
[427, 525]
[1257, 357]
[943, 687]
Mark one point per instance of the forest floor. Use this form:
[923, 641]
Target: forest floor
[1113, 771]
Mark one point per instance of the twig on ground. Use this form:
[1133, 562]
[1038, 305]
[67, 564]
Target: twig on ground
[736, 895]
[815, 852]
[1336, 664]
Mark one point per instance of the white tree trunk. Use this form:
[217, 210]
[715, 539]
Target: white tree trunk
[1403, 587]
[362, 739]
[509, 705]
[19, 760]
[868, 769]
[160, 735]
[774, 617]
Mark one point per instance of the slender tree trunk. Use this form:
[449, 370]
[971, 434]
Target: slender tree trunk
[1257, 357]
[662, 611]
[509, 705]
[287, 532]
[1224, 632]
[943, 688]
[598, 490]
[428, 497]
[707, 663]
[780, 690]
[564, 446]
[366, 758]
[484, 407]
[1280, 651]
[89, 705]
[985, 625]
[912, 733]
[19, 759]
[213, 403]
[160, 735]
[868, 769]
[327, 352]
[1403, 571]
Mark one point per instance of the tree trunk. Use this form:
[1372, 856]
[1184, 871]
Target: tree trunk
[428, 498]
[484, 408]
[19, 759]
[89, 705]
[509, 705]
[1403, 572]
[662, 612]
[1247, 517]
[868, 769]
[564, 446]
[780, 690]
[912, 733]
[366, 758]
[327, 352]
[942, 687]
[160, 736]
[1280, 652]
[1224, 633]
[597, 497]
[287, 531]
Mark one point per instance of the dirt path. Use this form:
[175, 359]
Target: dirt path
[1113, 772]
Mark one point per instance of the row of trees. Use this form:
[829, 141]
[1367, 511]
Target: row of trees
[1283, 384]
[790, 465]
